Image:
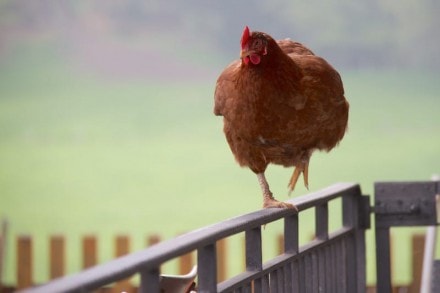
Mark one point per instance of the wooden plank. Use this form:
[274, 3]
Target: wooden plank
[185, 263]
[57, 256]
[222, 255]
[417, 251]
[280, 244]
[153, 239]
[24, 262]
[122, 247]
[89, 251]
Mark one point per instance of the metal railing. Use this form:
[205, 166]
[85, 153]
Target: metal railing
[332, 262]
[401, 204]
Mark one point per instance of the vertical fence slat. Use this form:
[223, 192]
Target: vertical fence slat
[328, 269]
[321, 221]
[207, 268]
[185, 263]
[122, 247]
[273, 281]
[222, 256]
[57, 256]
[295, 276]
[302, 274]
[339, 262]
[254, 256]
[288, 287]
[315, 271]
[354, 245]
[347, 280]
[264, 284]
[150, 281]
[281, 279]
[383, 260]
[321, 270]
[153, 239]
[336, 270]
[308, 273]
[24, 262]
[417, 251]
[350, 263]
[291, 238]
[361, 260]
[89, 250]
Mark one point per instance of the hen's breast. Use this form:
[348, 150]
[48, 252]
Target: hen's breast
[280, 114]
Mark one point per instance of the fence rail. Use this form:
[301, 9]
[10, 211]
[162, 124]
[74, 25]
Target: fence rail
[331, 262]
[342, 252]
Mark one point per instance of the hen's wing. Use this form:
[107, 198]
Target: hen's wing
[225, 88]
[319, 77]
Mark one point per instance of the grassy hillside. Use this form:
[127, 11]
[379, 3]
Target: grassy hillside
[81, 155]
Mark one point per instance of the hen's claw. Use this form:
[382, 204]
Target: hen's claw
[273, 203]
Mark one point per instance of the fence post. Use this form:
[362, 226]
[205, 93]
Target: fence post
[383, 259]
[291, 239]
[321, 221]
[254, 258]
[400, 204]
[207, 268]
[150, 281]
[57, 256]
[355, 209]
[24, 262]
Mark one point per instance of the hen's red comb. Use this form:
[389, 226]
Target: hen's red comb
[245, 36]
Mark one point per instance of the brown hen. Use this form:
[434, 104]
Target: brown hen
[280, 103]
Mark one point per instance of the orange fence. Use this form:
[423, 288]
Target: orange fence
[57, 260]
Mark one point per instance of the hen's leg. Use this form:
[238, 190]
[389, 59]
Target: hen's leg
[268, 200]
[302, 167]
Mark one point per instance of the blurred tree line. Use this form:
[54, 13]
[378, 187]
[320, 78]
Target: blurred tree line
[352, 34]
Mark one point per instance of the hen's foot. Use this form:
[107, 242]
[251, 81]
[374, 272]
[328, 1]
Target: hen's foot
[273, 203]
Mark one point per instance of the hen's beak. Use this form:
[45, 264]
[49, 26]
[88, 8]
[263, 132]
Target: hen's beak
[243, 54]
[245, 51]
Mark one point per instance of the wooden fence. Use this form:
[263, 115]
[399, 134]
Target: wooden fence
[57, 260]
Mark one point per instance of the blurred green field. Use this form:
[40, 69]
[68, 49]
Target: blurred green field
[81, 154]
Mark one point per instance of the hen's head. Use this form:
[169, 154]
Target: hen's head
[253, 46]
